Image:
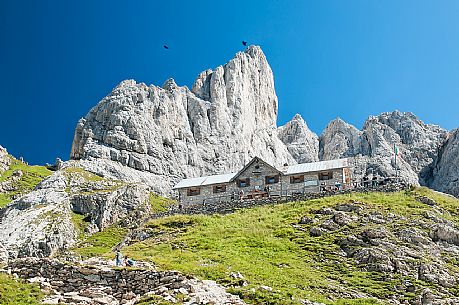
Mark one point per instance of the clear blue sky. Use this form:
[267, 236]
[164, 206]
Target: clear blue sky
[330, 58]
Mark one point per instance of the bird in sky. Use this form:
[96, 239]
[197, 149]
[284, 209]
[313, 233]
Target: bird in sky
[166, 47]
[244, 43]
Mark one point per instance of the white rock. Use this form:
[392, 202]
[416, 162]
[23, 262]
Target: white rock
[445, 175]
[170, 132]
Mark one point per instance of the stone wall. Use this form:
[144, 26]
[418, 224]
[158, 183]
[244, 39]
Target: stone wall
[101, 284]
[70, 278]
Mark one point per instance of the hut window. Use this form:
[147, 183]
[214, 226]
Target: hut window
[243, 182]
[325, 175]
[296, 179]
[219, 188]
[272, 179]
[193, 191]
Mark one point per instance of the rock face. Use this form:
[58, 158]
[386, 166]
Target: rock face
[445, 174]
[159, 135]
[301, 142]
[4, 160]
[41, 223]
[373, 147]
[170, 132]
[338, 140]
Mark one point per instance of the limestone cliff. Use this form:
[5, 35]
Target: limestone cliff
[43, 222]
[301, 142]
[170, 132]
[373, 147]
[159, 135]
[445, 173]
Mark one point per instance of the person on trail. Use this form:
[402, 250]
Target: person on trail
[128, 262]
[338, 186]
[365, 181]
[118, 258]
[374, 181]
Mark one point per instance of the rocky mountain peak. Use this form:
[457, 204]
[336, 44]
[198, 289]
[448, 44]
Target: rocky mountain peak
[338, 140]
[170, 85]
[301, 142]
[170, 132]
[159, 135]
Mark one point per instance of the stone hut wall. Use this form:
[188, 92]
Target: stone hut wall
[257, 182]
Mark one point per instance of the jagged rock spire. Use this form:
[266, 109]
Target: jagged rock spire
[302, 143]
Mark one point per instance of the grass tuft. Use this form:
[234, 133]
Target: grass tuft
[17, 292]
[32, 175]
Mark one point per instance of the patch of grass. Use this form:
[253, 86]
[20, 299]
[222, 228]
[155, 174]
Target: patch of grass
[159, 204]
[4, 200]
[262, 244]
[101, 243]
[80, 223]
[88, 176]
[17, 292]
[32, 175]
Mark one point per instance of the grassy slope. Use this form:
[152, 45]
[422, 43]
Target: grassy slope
[102, 243]
[263, 246]
[16, 292]
[33, 174]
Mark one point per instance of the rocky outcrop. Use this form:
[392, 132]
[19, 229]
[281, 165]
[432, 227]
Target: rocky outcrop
[393, 246]
[301, 142]
[373, 150]
[339, 140]
[445, 173]
[4, 160]
[170, 132]
[41, 223]
[94, 285]
[159, 135]
[38, 224]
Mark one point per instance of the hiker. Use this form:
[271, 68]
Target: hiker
[128, 262]
[365, 181]
[118, 258]
[266, 190]
[374, 181]
[338, 186]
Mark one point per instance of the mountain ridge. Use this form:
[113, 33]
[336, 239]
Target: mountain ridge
[229, 116]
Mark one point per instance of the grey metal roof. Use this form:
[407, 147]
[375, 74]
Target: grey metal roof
[207, 180]
[291, 170]
[316, 166]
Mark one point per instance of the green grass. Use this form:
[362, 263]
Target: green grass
[80, 224]
[17, 292]
[101, 243]
[87, 176]
[32, 175]
[159, 204]
[262, 244]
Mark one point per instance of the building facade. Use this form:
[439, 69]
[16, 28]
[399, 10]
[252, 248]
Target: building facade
[258, 179]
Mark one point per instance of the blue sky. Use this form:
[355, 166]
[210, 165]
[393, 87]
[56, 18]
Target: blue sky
[330, 58]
